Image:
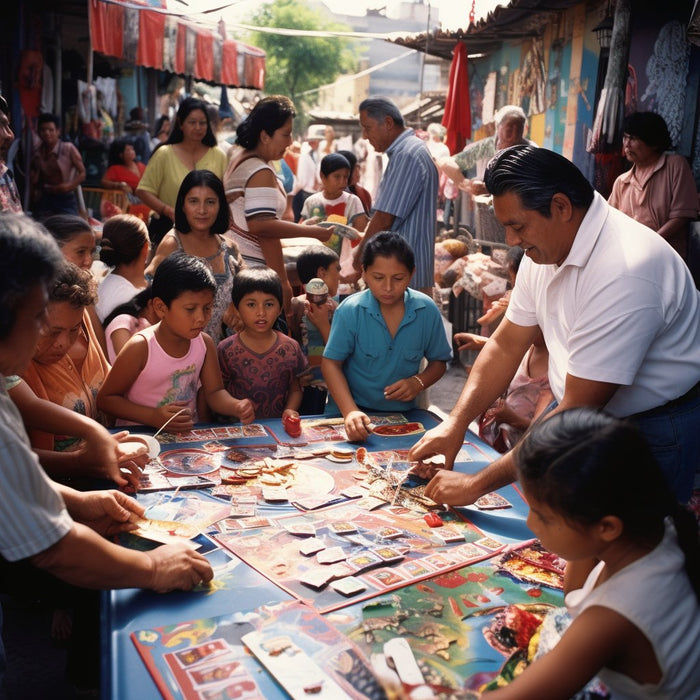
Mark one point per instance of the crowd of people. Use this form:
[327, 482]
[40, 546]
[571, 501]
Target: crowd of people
[200, 317]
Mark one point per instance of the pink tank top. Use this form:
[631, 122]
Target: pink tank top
[165, 379]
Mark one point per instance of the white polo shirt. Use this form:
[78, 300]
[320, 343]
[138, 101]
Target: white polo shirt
[622, 308]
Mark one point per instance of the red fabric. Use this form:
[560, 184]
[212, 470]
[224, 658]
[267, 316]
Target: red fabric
[193, 50]
[107, 28]
[229, 63]
[151, 39]
[181, 48]
[204, 60]
[458, 117]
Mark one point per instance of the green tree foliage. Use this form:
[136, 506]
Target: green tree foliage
[296, 64]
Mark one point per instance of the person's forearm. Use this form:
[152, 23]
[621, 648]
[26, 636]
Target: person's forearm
[294, 398]
[222, 402]
[489, 378]
[61, 464]
[338, 386]
[152, 201]
[120, 407]
[672, 227]
[495, 475]
[432, 372]
[85, 559]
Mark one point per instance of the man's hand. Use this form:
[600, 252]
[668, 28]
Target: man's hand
[452, 488]
[106, 512]
[444, 439]
[177, 567]
[357, 426]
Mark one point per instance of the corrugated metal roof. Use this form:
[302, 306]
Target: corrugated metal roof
[518, 20]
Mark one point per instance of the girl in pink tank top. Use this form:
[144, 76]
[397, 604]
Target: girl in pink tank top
[156, 376]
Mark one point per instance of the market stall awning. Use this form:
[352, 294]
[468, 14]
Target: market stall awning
[143, 34]
[511, 21]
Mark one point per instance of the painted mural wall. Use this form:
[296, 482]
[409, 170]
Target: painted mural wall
[553, 78]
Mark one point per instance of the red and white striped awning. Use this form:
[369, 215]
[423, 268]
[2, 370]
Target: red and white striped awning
[141, 33]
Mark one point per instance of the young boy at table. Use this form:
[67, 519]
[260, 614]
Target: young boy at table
[336, 200]
[156, 376]
[260, 362]
[379, 338]
[52, 526]
[310, 322]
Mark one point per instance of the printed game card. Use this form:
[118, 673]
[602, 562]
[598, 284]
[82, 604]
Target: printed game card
[348, 586]
[492, 501]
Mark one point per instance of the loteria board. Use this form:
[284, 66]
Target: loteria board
[272, 547]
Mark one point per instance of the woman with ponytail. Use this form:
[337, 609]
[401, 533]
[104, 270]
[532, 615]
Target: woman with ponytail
[124, 248]
[255, 195]
[598, 499]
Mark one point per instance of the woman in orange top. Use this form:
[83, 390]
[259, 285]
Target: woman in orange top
[69, 365]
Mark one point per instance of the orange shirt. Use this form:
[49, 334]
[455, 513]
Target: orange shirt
[62, 384]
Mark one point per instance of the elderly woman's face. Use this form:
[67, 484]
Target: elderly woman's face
[637, 151]
[59, 332]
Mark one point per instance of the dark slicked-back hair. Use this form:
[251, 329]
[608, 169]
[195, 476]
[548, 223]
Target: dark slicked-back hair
[28, 256]
[201, 178]
[585, 465]
[180, 273]
[536, 175]
[268, 115]
[313, 257]
[650, 128]
[256, 279]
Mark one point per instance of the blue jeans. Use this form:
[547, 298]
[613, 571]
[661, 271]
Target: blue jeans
[674, 436]
[673, 433]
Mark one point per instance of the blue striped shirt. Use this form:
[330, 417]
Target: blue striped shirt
[408, 191]
[32, 514]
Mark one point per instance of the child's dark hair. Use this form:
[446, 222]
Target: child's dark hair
[256, 279]
[333, 162]
[388, 244]
[180, 273]
[586, 465]
[134, 307]
[351, 159]
[123, 239]
[313, 257]
[65, 227]
[201, 178]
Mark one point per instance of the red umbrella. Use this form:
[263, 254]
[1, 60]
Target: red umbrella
[458, 116]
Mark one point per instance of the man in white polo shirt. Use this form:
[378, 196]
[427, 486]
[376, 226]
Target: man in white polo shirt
[619, 312]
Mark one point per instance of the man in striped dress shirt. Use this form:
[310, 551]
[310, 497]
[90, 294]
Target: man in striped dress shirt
[406, 201]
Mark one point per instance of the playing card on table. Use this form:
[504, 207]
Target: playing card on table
[332, 555]
[348, 586]
[311, 546]
[492, 501]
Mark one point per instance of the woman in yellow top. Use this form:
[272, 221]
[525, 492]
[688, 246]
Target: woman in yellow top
[190, 146]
